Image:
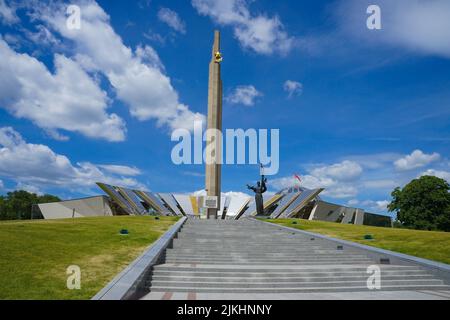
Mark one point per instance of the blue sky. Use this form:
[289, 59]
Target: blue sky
[359, 111]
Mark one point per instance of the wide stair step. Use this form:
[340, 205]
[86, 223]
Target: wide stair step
[228, 256]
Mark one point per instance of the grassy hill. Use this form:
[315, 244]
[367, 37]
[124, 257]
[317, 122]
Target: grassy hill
[34, 255]
[424, 244]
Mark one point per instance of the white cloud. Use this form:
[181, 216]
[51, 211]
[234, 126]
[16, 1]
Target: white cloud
[416, 25]
[333, 188]
[237, 199]
[416, 159]
[7, 13]
[353, 202]
[237, 194]
[293, 88]
[194, 174]
[142, 4]
[370, 205]
[437, 173]
[344, 171]
[13, 40]
[36, 166]
[154, 36]
[198, 193]
[380, 184]
[172, 19]
[376, 206]
[341, 191]
[42, 37]
[245, 95]
[283, 182]
[259, 33]
[68, 99]
[382, 205]
[339, 180]
[122, 170]
[1, 185]
[202, 192]
[149, 56]
[137, 76]
[374, 161]
[29, 188]
[364, 176]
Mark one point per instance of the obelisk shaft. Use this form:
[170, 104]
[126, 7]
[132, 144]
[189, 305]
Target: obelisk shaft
[213, 166]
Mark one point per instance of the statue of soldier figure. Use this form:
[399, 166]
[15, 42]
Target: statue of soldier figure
[259, 189]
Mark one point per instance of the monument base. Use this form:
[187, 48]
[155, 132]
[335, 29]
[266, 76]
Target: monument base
[211, 214]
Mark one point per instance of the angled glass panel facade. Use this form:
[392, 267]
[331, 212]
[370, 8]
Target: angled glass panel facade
[153, 201]
[271, 201]
[251, 209]
[303, 199]
[242, 209]
[283, 204]
[185, 203]
[171, 203]
[117, 198]
[132, 199]
[236, 205]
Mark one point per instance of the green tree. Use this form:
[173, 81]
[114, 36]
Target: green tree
[46, 198]
[2, 208]
[17, 204]
[424, 204]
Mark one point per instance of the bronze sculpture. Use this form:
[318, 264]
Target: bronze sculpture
[259, 189]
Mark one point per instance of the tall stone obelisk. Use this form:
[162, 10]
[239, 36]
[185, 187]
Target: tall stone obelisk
[213, 141]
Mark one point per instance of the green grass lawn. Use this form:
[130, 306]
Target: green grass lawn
[34, 255]
[424, 244]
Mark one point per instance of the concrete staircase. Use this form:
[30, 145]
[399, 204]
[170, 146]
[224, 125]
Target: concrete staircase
[244, 256]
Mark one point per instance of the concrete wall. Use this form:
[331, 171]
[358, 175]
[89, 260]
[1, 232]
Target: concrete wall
[87, 207]
[326, 211]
